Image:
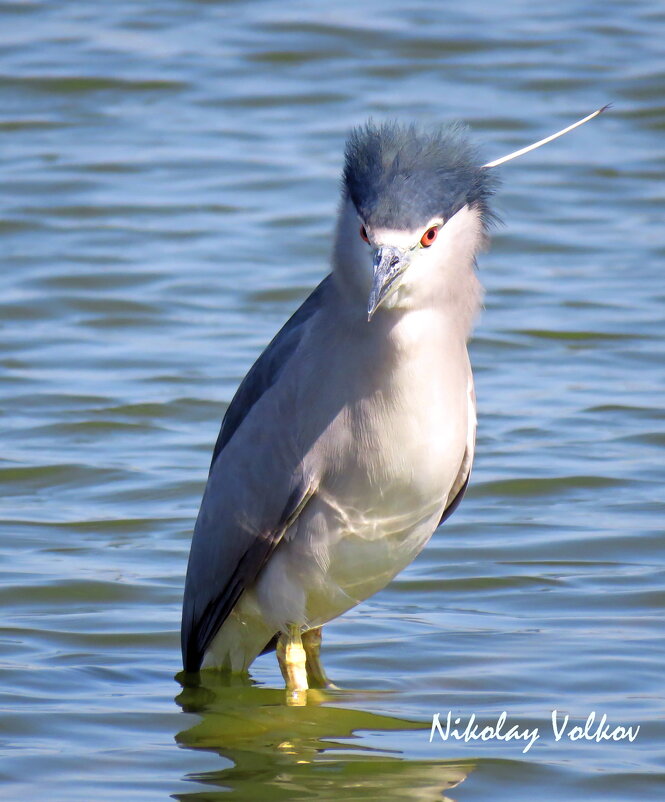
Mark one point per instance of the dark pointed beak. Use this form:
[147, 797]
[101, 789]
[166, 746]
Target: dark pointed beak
[389, 265]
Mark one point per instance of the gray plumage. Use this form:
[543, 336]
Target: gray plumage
[266, 369]
[228, 578]
[348, 441]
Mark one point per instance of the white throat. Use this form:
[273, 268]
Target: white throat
[440, 278]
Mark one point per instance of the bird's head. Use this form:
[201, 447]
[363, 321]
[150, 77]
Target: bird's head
[414, 214]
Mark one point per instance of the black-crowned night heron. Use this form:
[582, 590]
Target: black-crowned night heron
[351, 438]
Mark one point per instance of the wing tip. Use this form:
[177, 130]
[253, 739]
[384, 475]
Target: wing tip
[192, 656]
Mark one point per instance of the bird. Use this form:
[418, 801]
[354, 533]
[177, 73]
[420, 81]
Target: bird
[352, 437]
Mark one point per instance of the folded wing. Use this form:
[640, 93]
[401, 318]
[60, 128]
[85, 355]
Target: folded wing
[249, 501]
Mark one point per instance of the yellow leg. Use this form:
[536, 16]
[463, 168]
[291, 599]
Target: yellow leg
[292, 662]
[311, 641]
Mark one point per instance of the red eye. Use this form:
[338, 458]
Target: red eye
[429, 236]
[363, 233]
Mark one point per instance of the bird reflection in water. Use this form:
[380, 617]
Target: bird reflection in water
[312, 752]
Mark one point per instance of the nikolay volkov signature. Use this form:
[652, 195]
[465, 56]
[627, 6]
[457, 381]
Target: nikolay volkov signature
[502, 730]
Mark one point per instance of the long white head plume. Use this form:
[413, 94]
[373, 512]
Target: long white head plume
[547, 139]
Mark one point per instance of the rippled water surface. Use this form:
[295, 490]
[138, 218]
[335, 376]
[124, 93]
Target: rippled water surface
[169, 184]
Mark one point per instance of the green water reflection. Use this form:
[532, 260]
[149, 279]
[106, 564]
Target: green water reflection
[272, 751]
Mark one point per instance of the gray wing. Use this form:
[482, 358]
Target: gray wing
[265, 371]
[226, 558]
[461, 483]
[457, 500]
[255, 490]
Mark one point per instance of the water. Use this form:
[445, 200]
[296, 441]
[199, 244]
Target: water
[170, 178]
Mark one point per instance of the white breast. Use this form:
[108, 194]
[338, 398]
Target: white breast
[392, 460]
